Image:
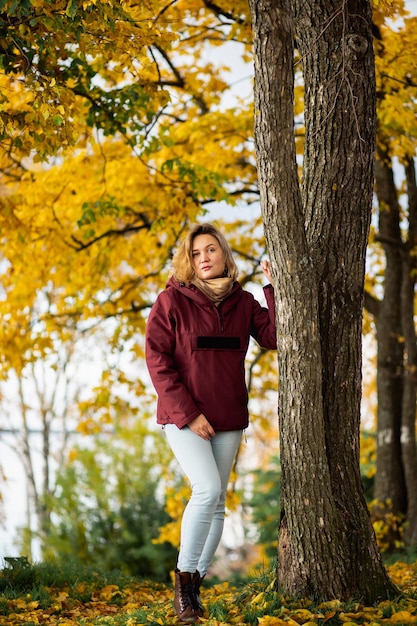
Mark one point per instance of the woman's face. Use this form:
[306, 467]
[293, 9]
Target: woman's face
[208, 257]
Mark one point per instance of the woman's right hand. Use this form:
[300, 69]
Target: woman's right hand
[202, 427]
[266, 268]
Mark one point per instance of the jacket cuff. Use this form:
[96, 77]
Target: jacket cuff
[182, 423]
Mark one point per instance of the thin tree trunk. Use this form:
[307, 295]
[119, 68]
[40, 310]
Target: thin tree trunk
[317, 246]
[408, 437]
[389, 480]
[396, 477]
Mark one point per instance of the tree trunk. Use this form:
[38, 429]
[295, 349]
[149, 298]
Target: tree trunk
[396, 476]
[389, 480]
[408, 437]
[317, 241]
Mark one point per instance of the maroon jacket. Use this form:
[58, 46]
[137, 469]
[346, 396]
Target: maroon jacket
[195, 353]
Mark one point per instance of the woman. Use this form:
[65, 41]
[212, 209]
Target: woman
[197, 337]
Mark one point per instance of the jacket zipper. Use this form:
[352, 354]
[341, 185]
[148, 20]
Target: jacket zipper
[219, 312]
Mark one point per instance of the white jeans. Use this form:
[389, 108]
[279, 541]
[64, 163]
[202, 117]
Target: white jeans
[207, 465]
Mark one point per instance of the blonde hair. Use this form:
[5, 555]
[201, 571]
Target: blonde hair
[182, 262]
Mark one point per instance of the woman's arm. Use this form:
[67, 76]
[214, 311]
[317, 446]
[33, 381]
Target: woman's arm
[174, 398]
[264, 320]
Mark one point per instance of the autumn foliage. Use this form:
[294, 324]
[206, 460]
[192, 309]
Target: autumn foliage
[48, 594]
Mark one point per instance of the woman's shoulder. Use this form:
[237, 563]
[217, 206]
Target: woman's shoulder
[241, 291]
[252, 299]
[174, 292]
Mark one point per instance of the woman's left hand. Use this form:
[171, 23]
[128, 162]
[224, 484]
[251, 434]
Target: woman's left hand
[266, 268]
[202, 427]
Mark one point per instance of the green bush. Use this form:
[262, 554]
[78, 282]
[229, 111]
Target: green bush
[106, 510]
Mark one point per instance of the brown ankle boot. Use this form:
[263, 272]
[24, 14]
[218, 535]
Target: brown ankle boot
[185, 602]
[196, 581]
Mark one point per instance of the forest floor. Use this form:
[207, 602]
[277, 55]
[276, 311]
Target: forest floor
[47, 594]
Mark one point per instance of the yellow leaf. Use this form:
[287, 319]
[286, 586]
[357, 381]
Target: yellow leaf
[403, 617]
[328, 606]
[33, 605]
[109, 592]
[20, 603]
[329, 615]
[346, 618]
[302, 615]
[258, 599]
[270, 620]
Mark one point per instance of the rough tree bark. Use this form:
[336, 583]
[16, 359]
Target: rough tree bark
[317, 239]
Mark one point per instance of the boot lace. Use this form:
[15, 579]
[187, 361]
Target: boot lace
[189, 588]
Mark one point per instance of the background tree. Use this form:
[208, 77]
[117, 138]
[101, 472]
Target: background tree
[46, 406]
[317, 240]
[390, 295]
[36, 414]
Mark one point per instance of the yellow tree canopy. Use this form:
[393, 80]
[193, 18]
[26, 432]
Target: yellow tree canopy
[71, 66]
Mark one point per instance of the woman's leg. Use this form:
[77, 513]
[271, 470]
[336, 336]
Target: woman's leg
[224, 445]
[207, 465]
